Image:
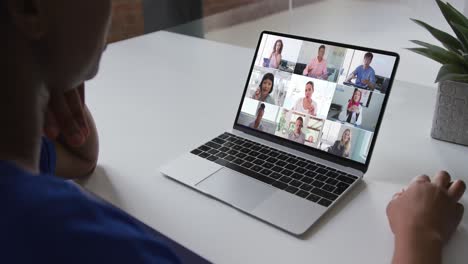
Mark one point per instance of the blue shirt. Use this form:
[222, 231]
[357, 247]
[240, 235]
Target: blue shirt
[45, 219]
[364, 74]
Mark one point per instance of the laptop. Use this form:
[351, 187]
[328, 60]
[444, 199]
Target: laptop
[288, 159]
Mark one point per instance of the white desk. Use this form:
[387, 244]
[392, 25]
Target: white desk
[160, 95]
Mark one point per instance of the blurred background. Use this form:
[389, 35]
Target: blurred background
[382, 24]
[136, 17]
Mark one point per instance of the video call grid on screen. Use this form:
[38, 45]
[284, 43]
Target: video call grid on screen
[322, 96]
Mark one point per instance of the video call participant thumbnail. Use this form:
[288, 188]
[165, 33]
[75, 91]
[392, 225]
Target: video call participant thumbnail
[364, 74]
[342, 147]
[275, 57]
[317, 68]
[265, 88]
[353, 112]
[305, 104]
[297, 135]
[257, 123]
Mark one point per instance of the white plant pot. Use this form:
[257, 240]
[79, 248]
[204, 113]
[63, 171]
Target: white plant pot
[451, 113]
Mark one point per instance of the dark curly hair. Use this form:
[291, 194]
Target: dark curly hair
[268, 76]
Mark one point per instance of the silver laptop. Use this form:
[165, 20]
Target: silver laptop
[303, 135]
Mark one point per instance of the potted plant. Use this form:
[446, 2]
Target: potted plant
[450, 121]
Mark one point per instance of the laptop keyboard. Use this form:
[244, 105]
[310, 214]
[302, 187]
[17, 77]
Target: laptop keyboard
[304, 178]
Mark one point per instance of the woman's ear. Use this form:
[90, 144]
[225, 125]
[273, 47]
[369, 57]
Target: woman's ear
[28, 17]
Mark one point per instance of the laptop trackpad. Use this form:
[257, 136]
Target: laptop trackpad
[237, 189]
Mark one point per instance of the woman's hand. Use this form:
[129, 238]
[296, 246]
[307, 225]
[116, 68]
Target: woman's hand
[257, 94]
[311, 109]
[66, 117]
[354, 109]
[423, 218]
[70, 125]
[427, 208]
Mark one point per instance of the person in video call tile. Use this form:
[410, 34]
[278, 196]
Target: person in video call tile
[275, 57]
[342, 147]
[353, 112]
[297, 134]
[305, 104]
[265, 88]
[257, 123]
[317, 68]
[364, 74]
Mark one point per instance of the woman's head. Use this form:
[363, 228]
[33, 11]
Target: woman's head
[309, 89]
[267, 83]
[346, 137]
[260, 111]
[321, 51]
[63, 40]
[357, 94]
[346, 140]
[278, 47]
[299, 124]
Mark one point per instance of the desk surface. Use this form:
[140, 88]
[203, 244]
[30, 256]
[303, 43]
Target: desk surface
[162, 94]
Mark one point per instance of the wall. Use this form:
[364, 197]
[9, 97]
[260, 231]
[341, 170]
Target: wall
[165, 14]
[211, 7]
[135, 17]
[127, 20]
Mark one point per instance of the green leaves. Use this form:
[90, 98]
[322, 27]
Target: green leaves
[463, 32]
[453, 16]
[453, 73]
[454, 58]
[439, 54]
[446, 39]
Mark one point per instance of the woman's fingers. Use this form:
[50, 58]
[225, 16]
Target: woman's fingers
[51, 127]
[396, 195]
[456, 190]
[69, 126]
[442, 179]
[421, 179]
[75, 106]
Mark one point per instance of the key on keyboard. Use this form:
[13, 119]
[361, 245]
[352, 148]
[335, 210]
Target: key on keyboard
[298, 176]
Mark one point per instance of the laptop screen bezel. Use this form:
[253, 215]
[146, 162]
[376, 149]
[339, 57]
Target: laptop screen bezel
[309, 150]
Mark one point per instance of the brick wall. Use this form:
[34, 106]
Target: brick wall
[127, 19]
[211, 7]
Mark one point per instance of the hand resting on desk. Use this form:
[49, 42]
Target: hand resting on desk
[424, 216]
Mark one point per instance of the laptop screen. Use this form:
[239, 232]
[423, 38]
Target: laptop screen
[326, 97]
